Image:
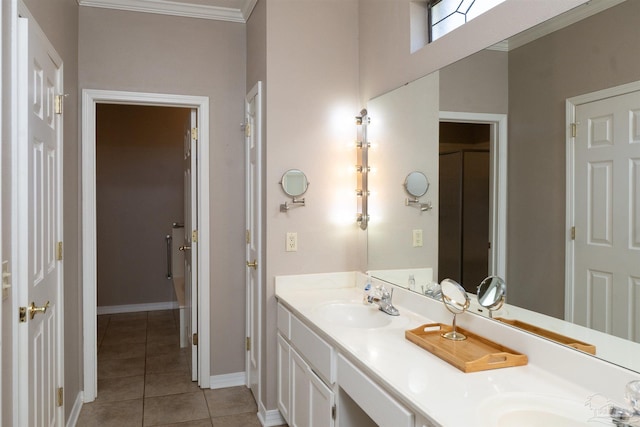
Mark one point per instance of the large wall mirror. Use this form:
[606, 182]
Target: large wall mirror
[527, 80]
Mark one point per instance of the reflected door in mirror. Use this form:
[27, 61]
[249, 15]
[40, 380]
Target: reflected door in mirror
[464, 217]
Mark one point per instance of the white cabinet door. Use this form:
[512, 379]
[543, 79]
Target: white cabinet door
[284, 383]
[311, 400]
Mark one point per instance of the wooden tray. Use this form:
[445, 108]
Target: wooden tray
[583, 346]
[471, 355]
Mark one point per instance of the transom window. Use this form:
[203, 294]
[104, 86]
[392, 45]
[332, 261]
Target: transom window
[447, 15]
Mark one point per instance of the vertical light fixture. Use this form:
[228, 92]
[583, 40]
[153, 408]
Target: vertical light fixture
[362, 169]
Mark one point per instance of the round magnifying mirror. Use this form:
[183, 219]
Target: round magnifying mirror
[457, 301]
[294, 182]
[492, 292]
[416, 184]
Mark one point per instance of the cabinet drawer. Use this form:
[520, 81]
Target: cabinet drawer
[316, 351]
[284, 321]
[383, 409]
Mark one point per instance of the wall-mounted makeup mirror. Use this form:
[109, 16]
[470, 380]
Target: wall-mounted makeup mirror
[416, 184]
[492, 292]
[294, 183]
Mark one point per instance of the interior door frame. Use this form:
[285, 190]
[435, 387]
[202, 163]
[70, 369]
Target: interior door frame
[497, 184]
[570, 118]
[256, 94]
[90, 98]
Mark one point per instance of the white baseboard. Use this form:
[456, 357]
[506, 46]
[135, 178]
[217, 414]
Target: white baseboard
[132, 308]
[228, 380]
[75, 411]
[270, 418]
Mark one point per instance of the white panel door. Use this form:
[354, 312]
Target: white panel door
[39, 217]
[253, 236]
[607, 216]
[190, 246]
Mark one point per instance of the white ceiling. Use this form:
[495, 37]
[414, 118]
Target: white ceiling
[222, 10]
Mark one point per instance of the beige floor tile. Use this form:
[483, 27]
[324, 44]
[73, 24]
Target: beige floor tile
[127, 413]
[112, 368]
[169, 383]
[175, 408]
[164, 338]
[121, 351]
[113, 337]
[239, 420]
[199, 423]
[230, 401]
[123, 388]
[170, 362]
[157, 348]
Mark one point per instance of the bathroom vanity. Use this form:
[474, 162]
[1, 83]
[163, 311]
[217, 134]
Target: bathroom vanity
[345, 363]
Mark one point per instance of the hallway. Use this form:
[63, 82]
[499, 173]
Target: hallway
[144, 379]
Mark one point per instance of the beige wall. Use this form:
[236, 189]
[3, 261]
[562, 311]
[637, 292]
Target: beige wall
[59, 21]
[143, 52]
[139, 194]
[385, 58]
[312, 73]
[478, 83]
[542, 75]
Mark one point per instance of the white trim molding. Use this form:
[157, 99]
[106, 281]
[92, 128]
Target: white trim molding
[270, 418]
[90, 98]
[134, 308]
[75, 410]
[188, 10]
[227, 380]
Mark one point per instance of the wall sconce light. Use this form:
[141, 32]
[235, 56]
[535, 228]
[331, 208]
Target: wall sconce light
[362, 169]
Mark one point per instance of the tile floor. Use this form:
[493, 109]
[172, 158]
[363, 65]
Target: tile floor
[144, 379]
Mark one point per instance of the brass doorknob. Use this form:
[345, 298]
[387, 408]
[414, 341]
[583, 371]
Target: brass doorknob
[253, 264]
[33, 310]
[184, 248]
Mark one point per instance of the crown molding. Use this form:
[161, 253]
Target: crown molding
[167, 7]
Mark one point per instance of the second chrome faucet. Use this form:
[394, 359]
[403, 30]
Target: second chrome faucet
[383, 297]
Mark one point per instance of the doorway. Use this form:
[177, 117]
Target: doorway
[200, 187]
[473, 161]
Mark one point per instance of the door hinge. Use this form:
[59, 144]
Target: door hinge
[60, 395]
[489, 245]
[59, 251]
[574, 130]
[333, 412]
[58, 103]
[22, 312]
[248, 343]
[194, 134]
[247, 130]
[194, 339]
[248, 237]
[194, 236]
[573, 233]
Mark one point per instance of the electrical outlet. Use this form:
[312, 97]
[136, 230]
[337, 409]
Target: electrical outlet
[292, 242]
[417, 238]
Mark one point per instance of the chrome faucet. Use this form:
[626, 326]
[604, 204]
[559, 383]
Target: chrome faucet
[382, 297]
[624, 417]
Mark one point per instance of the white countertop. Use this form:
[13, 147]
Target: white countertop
[428, 385]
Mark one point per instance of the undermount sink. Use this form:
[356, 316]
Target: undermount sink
[353, 315]
[534, 410]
